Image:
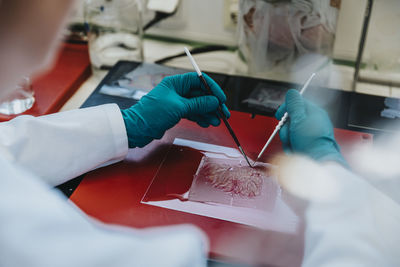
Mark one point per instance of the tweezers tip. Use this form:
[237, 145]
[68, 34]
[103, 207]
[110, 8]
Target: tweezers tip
[248, 162]
[245, 156]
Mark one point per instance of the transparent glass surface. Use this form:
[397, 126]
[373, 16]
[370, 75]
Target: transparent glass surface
[213, 181]
[19, 100]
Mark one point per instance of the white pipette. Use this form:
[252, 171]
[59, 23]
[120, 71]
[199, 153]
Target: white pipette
[283, 120]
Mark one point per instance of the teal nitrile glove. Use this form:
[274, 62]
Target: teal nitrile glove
[176, 97]
[308, 129]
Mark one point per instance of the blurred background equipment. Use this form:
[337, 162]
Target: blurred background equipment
[328, 43]
[392, 108]
[163, 9]
[378, 60]
[274, 35]
[115, 31]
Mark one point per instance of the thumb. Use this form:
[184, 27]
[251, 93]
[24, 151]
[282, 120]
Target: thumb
[295, 106]
[202, 105]
[280, 112]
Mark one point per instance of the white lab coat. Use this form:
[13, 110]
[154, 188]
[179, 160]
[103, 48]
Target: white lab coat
[356, 226]
[349, 220]
[38, 227]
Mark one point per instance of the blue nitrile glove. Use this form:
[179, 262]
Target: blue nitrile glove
[176, 97]
[308, 129]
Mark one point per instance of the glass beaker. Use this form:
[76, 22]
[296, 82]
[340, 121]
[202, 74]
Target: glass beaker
[115, 31]
[19, 100]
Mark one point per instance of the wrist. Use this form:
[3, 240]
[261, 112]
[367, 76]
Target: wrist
[135, 128]
[329, 151]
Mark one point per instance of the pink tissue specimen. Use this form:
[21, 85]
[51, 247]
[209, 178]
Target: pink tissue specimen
[229, 181]
[235, 179]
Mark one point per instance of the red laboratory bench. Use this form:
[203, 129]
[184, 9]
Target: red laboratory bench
[113, 194]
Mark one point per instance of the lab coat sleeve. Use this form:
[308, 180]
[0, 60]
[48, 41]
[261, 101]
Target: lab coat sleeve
[38, 227]
[64, 145]
[355, 225]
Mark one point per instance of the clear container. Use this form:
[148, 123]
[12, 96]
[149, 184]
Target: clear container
[281, 36]
[115, 31]
[19, 100]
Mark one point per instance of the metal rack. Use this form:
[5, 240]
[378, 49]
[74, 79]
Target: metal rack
[363, 38]
[357, 76]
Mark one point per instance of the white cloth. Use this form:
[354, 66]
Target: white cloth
[38, 227]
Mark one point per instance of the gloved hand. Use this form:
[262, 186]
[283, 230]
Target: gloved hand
[308, 129]
[176, 97]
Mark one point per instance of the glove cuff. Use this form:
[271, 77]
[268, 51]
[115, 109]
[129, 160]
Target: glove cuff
[329, 151]
[134, 125]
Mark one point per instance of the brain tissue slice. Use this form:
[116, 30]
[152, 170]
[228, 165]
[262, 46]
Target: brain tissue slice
[235, 179]
[232, 182]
